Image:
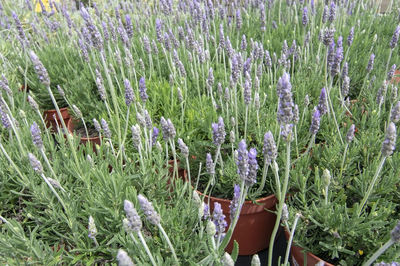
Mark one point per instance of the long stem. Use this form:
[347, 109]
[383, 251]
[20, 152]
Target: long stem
[280, 206]
[344, 158]
[263, 178]
[379, 252]
[371, 186]
[146, 248]
[289, 244]
[168, 242]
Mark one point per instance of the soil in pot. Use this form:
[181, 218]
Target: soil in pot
[303, 258]
[254, 227]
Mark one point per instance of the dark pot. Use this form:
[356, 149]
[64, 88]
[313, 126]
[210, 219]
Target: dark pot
[254, 227]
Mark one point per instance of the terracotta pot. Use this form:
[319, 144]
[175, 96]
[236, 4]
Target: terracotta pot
[84, 141]
[301, 258]
[396, 78]
[254, 227]
[51, 122]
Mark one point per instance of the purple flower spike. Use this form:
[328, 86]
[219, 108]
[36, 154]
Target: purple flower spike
[391, 72]
[210, 166]
[350, 133]
[184, 149]
[350, 38]
[371, 63]
[243, 44]
[134, 222]
[286, 105]
[243, 160]
[40, 70]
[147, 207]
[218, 132]
[305, 16]
[142, 90]
[247, 92]
[235, 201]
[323, 103]
[35, 163]
[395, 115]
[219, 219]
[154, 136]
[389, 143]
[36, 137]
[106, 129]
[332, 12]
[129, 96]
[315, 122]
[253, 167]
[395, 38]
[270, 151]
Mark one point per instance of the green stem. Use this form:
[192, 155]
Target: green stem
[146, 248]
[379, 252]
[280, 205]
[289, 244]
[371, 186]
[169, 243]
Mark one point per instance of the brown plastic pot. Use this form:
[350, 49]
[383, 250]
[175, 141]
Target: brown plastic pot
[51, 122]
[254, 227]
[396, 77]
[84, 141]
[301, 257]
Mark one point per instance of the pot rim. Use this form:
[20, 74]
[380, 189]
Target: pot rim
[260, 200]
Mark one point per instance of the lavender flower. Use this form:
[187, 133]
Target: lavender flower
[315, 121]
[33, 103]
[147, 207]
[210, 79]
[184, 149]
[92, 228]
[136, 136]
[253, 167]
[128, 26]
[124, 259]
[305, 16]
[243, 160]
[219, 219]
[247, 92]
[21, 33]
[234, 205]
[327, 37]
[323, 103]
[350, 133]
[389, 143]
[345, 70]
[106, 129]
[35, 163]
[270, 151]
[371, 63]
[345, 86]
[218, 132]
[238, 20]
[325, 14]
[210, 166]
[350, 38]
[5, 86]
[332, 12]
[390, 74]
[36, 137]
[134, 222]
[243, 44]
[395, 115]
[395, 234]
[129, 96]
[96, 125]
[395, 38]
[142, 90]
[100, 86]
[285, 108]
[154, 136]
[40, 70]
[4, 118]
